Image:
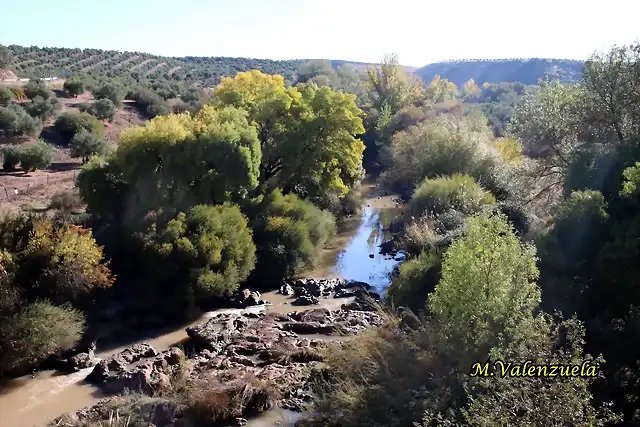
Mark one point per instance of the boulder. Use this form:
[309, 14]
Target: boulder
[286, 289]
[306, 300]
[309, 328]
[299, 291]
[81, 361]
[247, 298]
[137, 352]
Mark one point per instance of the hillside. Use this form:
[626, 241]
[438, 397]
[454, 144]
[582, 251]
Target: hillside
[37, 62]
[525, 71]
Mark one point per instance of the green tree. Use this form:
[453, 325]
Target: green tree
[307, 134]
[36, 155]
[41, 108]
[210, 249]
[612, 87]
[10, 158]
[487, 289]
[6, 97]
[104, 109]
[441, 90]
[35, 88]
[74, 87]
[112, 91]
[85, 144]
[219, 144]
[15, 121]
[69, 123]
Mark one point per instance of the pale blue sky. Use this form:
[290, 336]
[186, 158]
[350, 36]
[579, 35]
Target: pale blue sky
[420, 32]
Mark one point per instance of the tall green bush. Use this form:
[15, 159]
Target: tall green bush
[459, 192]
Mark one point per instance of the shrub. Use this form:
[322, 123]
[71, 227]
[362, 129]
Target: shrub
[69, 123]
[6, 96]
[10, 158]
[459, 192]
[64, 261]
[103, 109]
[417, 278]
[37, 155]
[65, 201]
[39, 330]
[114, 92]
[85, 144]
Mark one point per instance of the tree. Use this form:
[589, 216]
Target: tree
[441, 90]
[209, 249]
[15, 121]
[35, 88]
[104, 109]
[390, 85]
[85, 144]
[69, 123]
[470, 90]
[612, 88]
[219, 144]
[6, 58]
[74, 87]
[37, 155]
[42, 108]
[10, 158]
[6, 96]
[112, 91]
[307, 134]
[487, 287]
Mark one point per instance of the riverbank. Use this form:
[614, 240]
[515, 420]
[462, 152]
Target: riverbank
[29, 402]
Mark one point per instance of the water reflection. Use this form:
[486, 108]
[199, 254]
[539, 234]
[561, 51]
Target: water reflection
[355, 261]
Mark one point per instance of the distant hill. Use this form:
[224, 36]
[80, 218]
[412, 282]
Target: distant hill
[39, 62]
[525, 71]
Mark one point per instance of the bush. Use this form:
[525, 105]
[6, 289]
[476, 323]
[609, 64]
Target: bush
[37, 155]
[85, 144]
[114, 92]
[65, 201]
[64, 261]
[288, 232]
[10, 158]
[459, 192]
[39, 330]
[417, 279]
[69, 123]
[6, 96]
[104, 109]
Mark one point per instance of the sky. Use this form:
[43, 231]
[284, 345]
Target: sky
[419, 31]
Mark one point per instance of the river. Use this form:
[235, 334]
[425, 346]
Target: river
[34, 401]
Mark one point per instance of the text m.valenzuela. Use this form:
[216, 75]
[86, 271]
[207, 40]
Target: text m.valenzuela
[530, 369]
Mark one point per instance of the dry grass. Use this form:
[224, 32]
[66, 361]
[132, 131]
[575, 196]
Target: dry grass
[286, 355]
[376, 378]
[219, 398]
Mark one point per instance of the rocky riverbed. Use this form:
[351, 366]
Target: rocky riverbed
[232, 352]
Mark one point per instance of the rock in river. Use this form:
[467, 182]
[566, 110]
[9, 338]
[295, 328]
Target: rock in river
[306, 300]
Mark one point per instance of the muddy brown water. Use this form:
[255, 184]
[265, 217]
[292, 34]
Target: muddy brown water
[34, 401]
